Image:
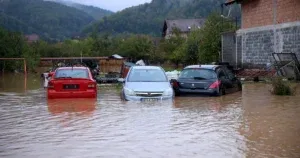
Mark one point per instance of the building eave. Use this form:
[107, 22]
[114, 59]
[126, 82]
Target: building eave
[229, 2]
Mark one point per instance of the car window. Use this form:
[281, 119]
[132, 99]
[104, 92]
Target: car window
[198, 74]
[222, 74]
[69, 73]
[147, 75]
[230, 75]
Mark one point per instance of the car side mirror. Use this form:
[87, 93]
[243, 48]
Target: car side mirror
[121, 80]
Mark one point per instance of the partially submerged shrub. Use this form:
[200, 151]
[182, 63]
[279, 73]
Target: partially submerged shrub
[282, 87]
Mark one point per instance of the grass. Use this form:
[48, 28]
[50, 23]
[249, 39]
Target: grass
[119, 86]
[282, 87]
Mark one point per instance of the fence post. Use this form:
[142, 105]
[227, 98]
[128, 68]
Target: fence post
[25, 67]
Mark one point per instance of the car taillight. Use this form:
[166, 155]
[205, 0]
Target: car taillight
[50, 85]
[91, 85]
[215, 85]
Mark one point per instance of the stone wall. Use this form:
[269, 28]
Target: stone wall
[254, 46]
[257, 47]
[258, 43]
[239, 50]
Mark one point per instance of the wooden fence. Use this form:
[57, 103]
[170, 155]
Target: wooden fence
[106, 64]
[110, 65]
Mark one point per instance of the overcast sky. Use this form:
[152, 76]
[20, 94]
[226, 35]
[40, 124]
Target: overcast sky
[113, 5]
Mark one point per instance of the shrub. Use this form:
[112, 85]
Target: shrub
[281, 87]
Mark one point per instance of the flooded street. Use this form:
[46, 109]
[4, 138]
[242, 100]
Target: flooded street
[251, 123]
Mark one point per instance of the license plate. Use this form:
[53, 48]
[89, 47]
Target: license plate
[149, 99]
[71, 86]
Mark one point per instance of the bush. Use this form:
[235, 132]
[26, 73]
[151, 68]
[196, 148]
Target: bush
[281, 87]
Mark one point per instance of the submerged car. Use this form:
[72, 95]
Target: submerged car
[72, 82]
[147, 83]
[206, 79]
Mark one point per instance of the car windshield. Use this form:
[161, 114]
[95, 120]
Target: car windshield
[198, 74]
[147, 75]
[71, 73]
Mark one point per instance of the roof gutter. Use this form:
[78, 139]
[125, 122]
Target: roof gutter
[232, 2]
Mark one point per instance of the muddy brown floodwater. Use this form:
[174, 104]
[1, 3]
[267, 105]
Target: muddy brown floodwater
[251, 124]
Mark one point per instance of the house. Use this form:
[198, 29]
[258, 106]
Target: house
[184, 26]
[32, 38]
[268, 26]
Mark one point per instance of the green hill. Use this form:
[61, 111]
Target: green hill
[95, 12]
[50, 20]
[148, 18]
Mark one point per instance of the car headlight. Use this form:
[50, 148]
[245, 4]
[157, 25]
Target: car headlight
[129, 92]
[168, 92]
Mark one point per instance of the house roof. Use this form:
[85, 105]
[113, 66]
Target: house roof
[184, 25]
[32, 37]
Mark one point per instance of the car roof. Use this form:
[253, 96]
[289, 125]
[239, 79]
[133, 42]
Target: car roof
[211, 67]
[147, 67]
[70, 67]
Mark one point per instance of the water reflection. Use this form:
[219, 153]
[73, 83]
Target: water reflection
[20, 83]
[210, 102]
[80, 106]
[270, 123]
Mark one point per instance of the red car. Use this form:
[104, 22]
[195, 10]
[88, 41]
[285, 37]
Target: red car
[72, 82]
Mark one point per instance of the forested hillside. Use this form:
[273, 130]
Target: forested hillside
[50, 20]
[95, 12]
[148, 18]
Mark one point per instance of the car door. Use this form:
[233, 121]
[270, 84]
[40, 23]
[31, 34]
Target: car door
[224, 80]
[233, 80]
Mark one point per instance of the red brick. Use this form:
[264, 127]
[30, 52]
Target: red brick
[257, 13]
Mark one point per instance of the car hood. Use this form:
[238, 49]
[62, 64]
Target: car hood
[148, 86]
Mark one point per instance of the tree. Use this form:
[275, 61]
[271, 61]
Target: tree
[211, 38]
[137, 47]
[191, 47]
[172, 47]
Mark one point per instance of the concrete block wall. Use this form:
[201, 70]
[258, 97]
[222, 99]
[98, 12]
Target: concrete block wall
[258, 44]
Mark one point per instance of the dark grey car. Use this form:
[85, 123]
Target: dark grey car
[207, 79]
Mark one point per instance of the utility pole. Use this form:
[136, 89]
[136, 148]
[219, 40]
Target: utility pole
[222, 11]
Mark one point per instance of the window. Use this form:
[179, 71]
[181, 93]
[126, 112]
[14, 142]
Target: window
[71, 73]
[230, 75]
[202, 74]
[147, 75]
[222, 74]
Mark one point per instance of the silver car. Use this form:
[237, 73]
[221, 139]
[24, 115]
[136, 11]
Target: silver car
[147, 83]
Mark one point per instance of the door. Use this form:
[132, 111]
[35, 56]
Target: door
[226, 83]
[233, 80]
